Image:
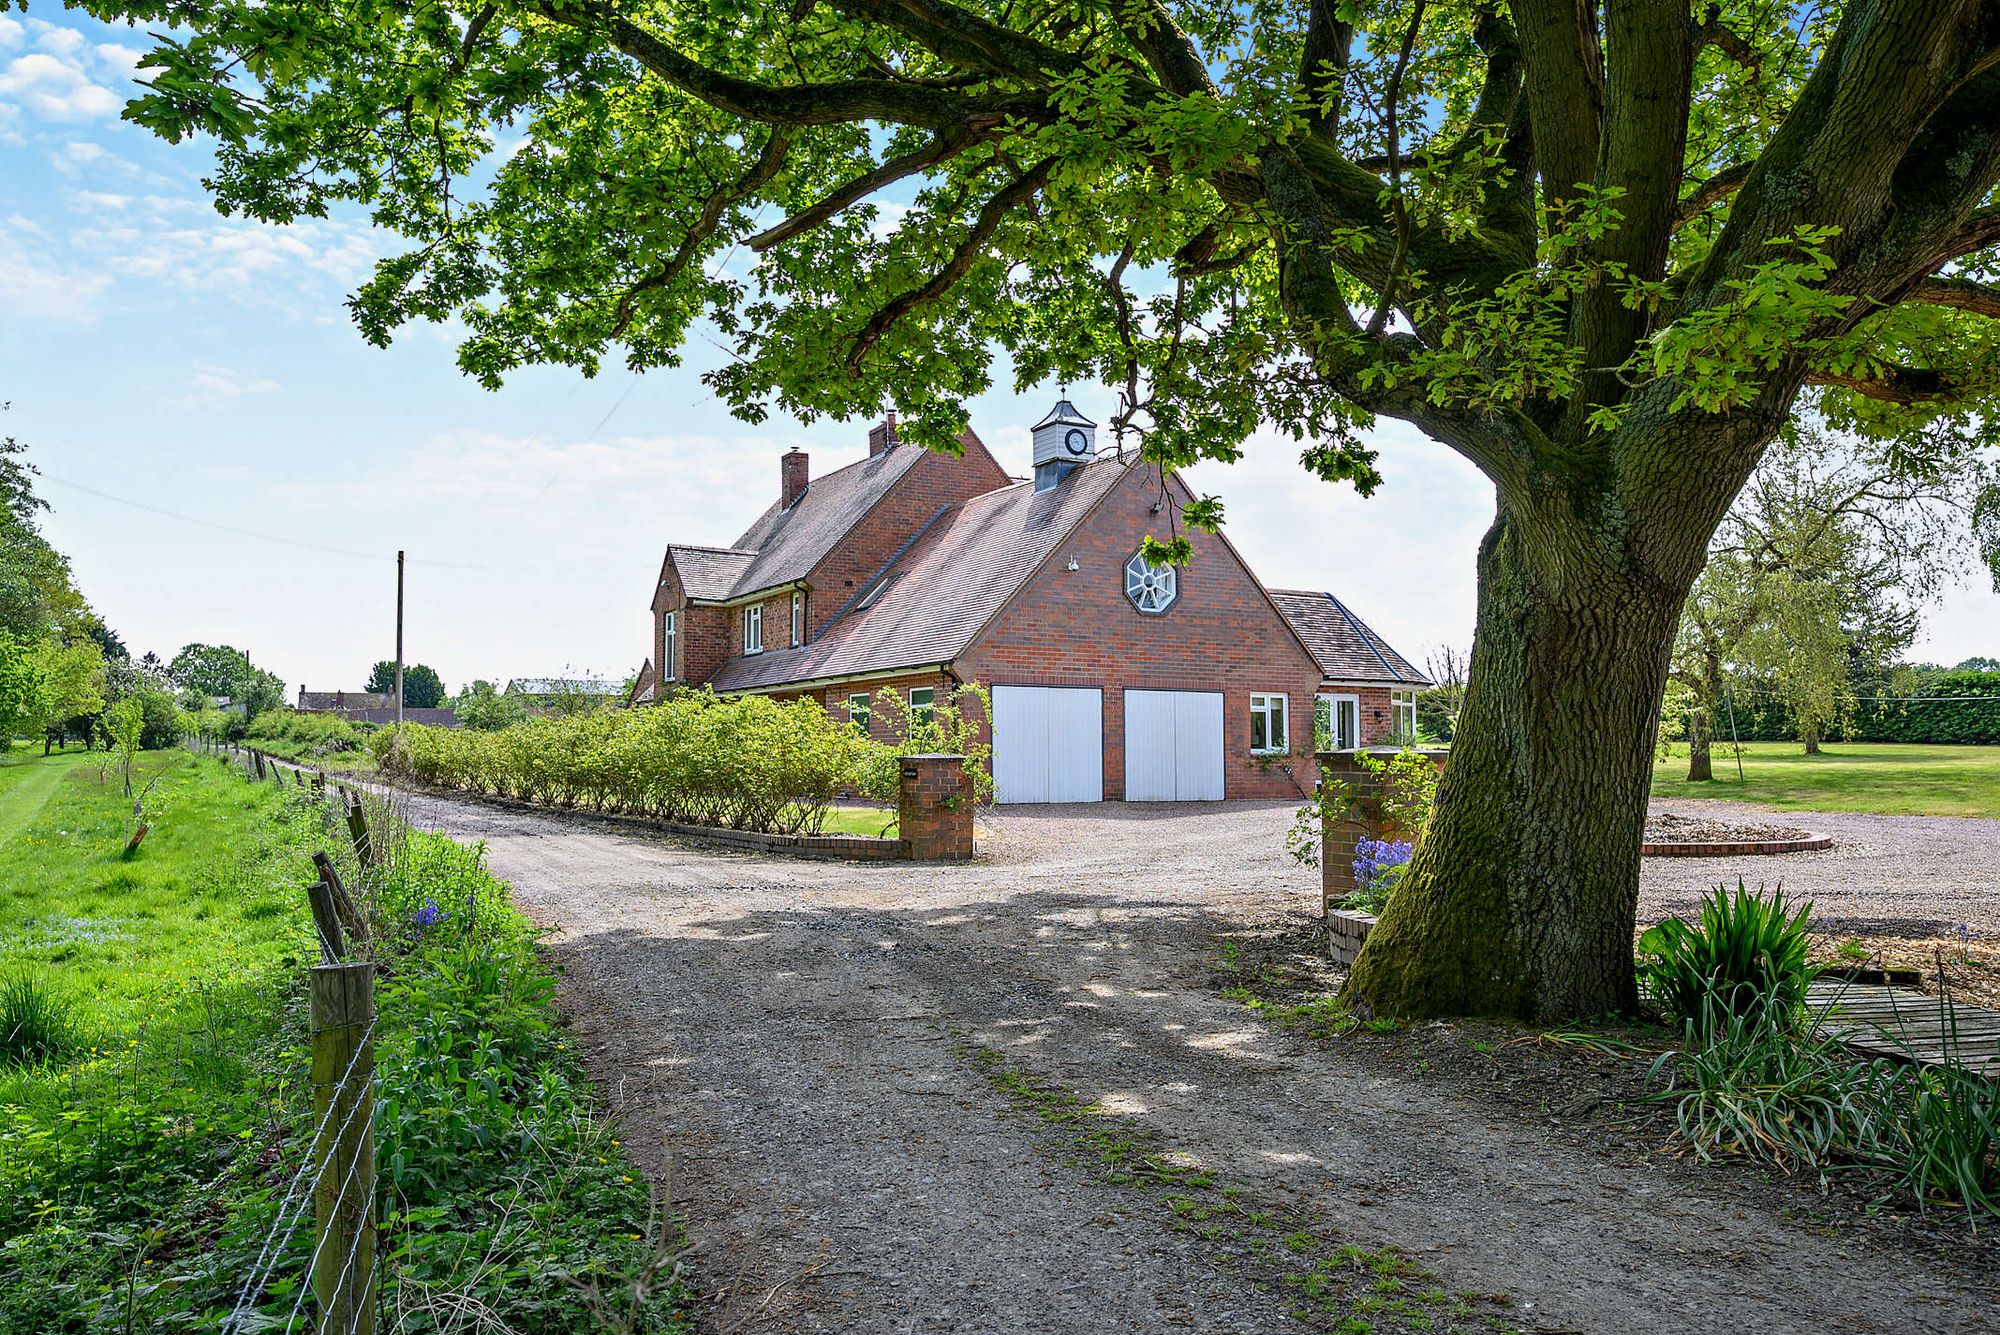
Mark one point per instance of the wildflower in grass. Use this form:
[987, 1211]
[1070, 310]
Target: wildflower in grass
[427, 917]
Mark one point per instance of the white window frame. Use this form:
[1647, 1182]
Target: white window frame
[1261, 706]
[1333, 703]
[753, 629]
[860, 710]
[1403, 709]
[670, 634]
[798, 617]
[922, 712]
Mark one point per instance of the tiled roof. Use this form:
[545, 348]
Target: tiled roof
[709, 572]
[320, 701]
[943, 591]
[1346, 649]
[789, 543]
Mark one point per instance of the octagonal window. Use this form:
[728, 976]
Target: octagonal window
[1151, 588]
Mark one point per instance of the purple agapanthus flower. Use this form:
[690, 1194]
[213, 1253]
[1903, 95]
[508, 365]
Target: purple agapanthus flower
[1373, 857]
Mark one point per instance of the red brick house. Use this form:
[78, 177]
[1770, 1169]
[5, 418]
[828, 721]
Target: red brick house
[911, 571]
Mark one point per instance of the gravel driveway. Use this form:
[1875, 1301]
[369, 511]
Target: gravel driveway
[786, 1043]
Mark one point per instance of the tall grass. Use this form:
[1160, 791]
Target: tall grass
[37, 1024]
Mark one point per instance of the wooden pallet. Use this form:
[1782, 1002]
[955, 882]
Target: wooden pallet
[1909, 1026]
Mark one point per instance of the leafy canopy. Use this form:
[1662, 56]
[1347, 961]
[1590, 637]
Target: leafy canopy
[1536, 229]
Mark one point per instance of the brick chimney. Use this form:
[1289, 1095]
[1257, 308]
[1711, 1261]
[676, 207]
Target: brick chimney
[792, 477]
[882, 437]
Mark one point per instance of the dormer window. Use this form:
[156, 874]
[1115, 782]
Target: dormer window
[753, 629]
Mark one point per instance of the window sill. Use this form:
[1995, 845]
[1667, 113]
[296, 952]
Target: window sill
[1271, 751]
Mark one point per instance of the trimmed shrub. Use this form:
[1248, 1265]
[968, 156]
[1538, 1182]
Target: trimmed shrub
[740, 762]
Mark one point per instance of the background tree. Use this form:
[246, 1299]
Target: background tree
[1600, 250]
[483, 708]
[422, 687]
[21, 687]
[1820, 573]
[210, 669]
[1437, 708]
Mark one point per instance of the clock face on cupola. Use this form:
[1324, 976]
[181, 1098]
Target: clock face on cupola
[1062, 439]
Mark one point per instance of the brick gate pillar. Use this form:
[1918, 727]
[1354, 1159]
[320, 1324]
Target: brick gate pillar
[934, 808]
[1342, 830]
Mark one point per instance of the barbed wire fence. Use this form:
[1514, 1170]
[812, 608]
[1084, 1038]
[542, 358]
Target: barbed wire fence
[335, 1180]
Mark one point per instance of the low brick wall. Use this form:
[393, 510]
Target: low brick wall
[852, 847]
[1345, 931]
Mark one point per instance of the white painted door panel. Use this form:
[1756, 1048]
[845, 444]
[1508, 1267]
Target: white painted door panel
[1173, 746]
[1150, 743]
[1076, 745]
[1198, 746]
[1048, 744]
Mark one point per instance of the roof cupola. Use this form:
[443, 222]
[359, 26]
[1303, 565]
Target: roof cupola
[1063, 439]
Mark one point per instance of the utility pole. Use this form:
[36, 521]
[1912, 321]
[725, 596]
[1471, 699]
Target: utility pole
[399, 639]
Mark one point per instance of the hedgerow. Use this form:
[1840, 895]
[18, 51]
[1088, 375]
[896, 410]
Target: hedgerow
[741, 762]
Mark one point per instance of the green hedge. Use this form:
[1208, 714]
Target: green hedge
[300, 736]
[1929, 716]
[743, 762]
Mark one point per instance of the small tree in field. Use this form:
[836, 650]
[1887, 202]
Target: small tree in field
[1600, 250]
[126, 723]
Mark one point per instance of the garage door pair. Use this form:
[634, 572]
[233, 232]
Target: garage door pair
[1048, 745]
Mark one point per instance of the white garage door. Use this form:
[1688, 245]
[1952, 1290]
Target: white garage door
[1048, 744]
[1173, 746]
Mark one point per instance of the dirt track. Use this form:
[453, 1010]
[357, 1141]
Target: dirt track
[786, 1043]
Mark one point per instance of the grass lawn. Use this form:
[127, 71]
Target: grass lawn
[1890, 779]
[860, 820]
[146, 1149]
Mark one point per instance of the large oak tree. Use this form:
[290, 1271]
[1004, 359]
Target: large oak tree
[1600, 250]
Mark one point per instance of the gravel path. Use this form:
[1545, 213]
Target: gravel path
[784, 1041]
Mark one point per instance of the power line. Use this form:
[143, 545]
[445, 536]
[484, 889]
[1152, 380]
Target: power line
[252, 533]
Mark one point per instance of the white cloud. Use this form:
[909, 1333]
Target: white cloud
[33, 286]
[55, 88]
[212, 387]
[99, 200]
[123, 59]
[11, 32]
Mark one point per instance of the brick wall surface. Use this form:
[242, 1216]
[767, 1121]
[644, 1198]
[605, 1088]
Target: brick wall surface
[934, 808]
[1076, 628]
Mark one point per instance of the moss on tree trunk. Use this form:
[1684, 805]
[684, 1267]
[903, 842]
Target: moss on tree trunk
[1523, 892]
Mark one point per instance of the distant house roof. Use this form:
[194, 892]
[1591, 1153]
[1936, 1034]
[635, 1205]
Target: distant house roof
[440, 717]
[926, 605]
[564, 686]
[321, 702]
[1345, 647]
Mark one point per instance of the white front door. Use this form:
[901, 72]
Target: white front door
[1173, 746]
[1048, 744]
[1337, 722]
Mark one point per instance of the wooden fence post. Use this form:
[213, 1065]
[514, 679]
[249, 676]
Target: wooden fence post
[326, 918]
[257, 759]
[357, 830]
[343, 1073]
[343, 903]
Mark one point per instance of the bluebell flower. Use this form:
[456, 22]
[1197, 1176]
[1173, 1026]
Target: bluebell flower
[429, 916]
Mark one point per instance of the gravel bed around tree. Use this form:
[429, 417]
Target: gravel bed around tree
[824, 1066]
[1674, 827]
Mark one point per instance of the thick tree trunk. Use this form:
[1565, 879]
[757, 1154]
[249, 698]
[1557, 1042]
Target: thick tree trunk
[1523, 892]
[1701, 768]
[1810, 736]
[1701, 722]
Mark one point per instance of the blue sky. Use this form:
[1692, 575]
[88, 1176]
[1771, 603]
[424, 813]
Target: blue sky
[156, 351]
